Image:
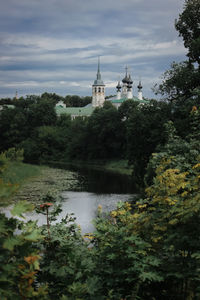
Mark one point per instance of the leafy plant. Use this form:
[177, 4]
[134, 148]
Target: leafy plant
[124, 262]
[19, 256]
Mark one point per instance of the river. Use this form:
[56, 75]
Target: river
[97, 187]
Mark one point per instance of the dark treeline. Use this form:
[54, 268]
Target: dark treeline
[69, 100]
[132, 132]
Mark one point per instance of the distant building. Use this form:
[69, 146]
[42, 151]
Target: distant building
[98, 90]
[61, 104]
[124, 92]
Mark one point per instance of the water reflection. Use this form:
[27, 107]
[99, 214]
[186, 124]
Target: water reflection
[101, 181]
[84, 206]
[96, 187]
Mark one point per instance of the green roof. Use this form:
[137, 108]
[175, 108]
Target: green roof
[125, 99]
[88, 110]
[7, 105]
[77, 111]
[118, 100]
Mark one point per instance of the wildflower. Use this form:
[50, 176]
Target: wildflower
[99, 207]
[31, 259]
[127, 205]
[45, 205]
[194, 108]
[89, 236]
[113, 213]
[122, 212]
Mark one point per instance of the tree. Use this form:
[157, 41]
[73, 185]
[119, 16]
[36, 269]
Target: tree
[77, 101]
[42, 113]
[77, 139]
[145, 130]
[188, 26]
[124, 263]
[13, 127]
[180, 82]
[126, 108]
[105, 133]
[169, 214]
[51, 97]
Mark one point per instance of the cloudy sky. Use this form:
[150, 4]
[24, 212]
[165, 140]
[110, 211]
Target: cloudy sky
[53, 45]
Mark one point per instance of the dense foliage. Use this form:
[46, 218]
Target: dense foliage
[182, 80]
[146, 250]
[69, 100]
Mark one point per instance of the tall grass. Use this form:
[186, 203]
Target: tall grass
[17, 172]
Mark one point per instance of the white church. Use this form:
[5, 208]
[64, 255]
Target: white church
[124, 91]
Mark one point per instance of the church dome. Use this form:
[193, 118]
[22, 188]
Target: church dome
[139, 86]
[130, 81]
[118, 86]
[125, 80]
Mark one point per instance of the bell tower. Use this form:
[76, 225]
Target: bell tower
[140, 91]
[98, 89]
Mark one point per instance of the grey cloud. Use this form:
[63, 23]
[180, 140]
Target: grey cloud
[47, 40]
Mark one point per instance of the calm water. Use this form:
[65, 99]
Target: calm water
[97, 188]
[101, 181]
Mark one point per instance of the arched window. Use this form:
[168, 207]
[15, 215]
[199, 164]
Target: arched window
[99, 90]
[95, 89]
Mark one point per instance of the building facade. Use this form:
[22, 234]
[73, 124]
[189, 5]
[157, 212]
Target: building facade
[98, 90]
[124, 91]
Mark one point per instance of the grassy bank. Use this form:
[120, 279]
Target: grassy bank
[115, 166]
[35, 182]
[119, 166]
[18, 173]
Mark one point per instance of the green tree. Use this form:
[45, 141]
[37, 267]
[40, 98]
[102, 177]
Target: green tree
[78, 139]
[169, 219]
[124, 263]
[77, 101]
[145, 130]
[188, 26]
[126, 108]
[70, 272]
[13, 127]
[42, 113]
[19, 256]
[170, 212]
[180, 82]
[105, 133]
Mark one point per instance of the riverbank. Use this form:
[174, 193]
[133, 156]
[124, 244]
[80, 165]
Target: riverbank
[114, 166]
[120, 166]
[34, 182]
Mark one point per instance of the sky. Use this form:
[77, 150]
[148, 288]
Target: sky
[53, 45]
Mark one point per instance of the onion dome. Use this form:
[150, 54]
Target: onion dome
[125, 80]
[118, 87]
[130, 81]
[139, 86]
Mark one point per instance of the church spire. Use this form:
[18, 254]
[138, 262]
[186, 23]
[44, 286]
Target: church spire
[98, 71]
[98, 89]
[98, 81]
